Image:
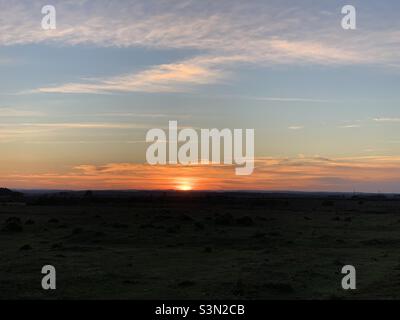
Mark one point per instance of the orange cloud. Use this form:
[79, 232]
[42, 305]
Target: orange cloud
[368, 174]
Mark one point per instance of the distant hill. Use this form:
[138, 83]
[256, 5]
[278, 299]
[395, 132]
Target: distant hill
[8, 194]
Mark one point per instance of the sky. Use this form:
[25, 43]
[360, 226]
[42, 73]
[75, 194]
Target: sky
[76, 102]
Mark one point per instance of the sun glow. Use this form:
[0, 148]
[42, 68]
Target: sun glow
[185, 188]
[185, 185]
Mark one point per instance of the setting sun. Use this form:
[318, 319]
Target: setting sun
[185, 185]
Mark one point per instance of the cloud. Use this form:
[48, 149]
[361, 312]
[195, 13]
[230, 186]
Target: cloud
[13, 134]
[387, 119]
[226, 27]
[17, 112]
[350, 126]
[366, 174]
[143, 115]
[316, 52]
[295, 127]
[87, 125]
[286, 99]
[34, 132]
[223, 35]
[164, 78]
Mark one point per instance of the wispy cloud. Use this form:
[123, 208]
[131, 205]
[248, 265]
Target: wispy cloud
[295, 127]
[87, 125]
[224, 34]
[350, 126]
[290, 99]
[224, 27]
[387, 119]
[30, 132]
[18, 112]
[164, 78]
[142, 115]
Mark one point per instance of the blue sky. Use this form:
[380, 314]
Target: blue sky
[87, 92]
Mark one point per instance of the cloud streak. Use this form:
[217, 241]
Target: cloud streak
[34, 132]
[6, 112]
[173, 77]
[387, 120]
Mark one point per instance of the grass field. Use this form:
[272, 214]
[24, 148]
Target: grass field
[201, 248]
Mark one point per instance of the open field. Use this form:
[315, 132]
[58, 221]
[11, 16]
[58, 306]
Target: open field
[200, 246]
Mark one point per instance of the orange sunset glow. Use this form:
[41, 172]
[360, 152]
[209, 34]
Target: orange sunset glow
[319, 100]
[346, 174]
[185, 184]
